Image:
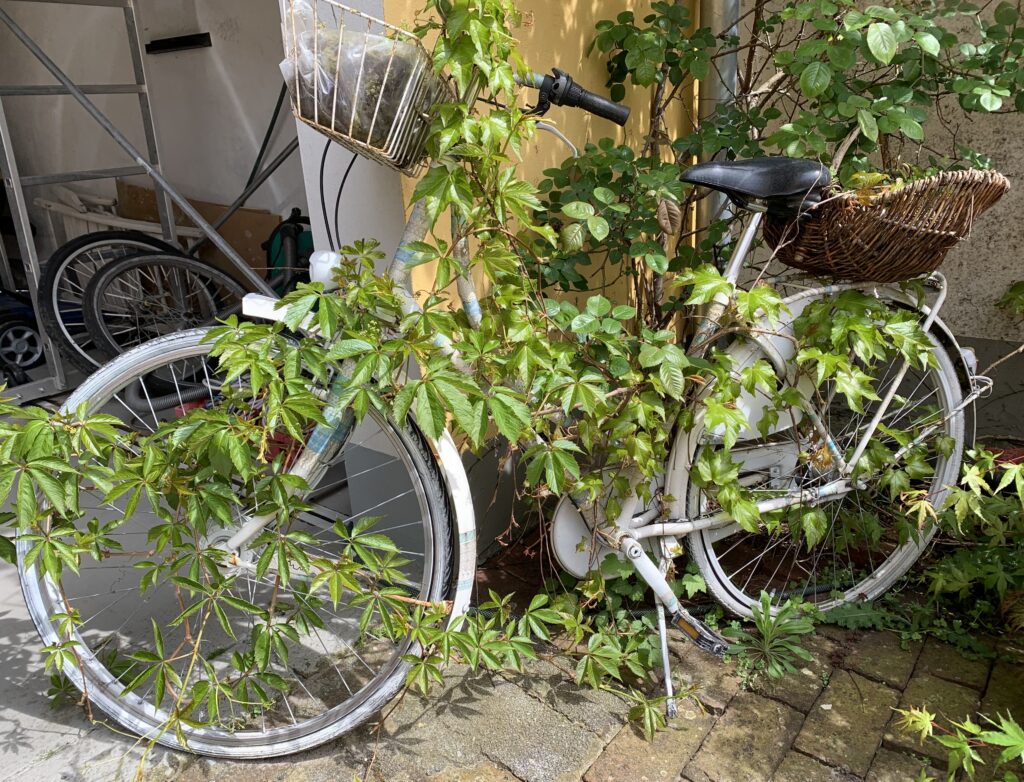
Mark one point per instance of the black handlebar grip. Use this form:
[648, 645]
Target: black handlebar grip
[563, 91]
[601, 106]
[598, 105]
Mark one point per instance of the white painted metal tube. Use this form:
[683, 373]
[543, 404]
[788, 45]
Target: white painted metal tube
[650, 573]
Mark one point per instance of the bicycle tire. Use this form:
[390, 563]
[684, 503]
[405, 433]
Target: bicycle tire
[722, 557]
[141, 297]
[107, 692]
[60, 293]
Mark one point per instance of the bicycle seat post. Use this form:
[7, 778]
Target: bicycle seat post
[715, 311]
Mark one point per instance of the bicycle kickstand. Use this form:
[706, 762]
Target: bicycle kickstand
[695, 630]
[666, 661]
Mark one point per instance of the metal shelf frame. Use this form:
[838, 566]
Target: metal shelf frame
[148, 163]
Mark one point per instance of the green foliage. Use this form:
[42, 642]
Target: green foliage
[582, 391]
[773, 648]
[963, 741]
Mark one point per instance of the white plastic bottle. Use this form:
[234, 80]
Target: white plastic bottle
[323, 267]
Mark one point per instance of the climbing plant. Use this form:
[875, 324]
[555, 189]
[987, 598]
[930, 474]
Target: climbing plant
[588, 394]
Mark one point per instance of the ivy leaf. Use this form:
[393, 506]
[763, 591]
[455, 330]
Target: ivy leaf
[672, 379]
[911, 128]
[656, 262]
[707, 283]
[990, 101]
[815, 79]
[350, 348]
[511, 416]
[572, 237]
[1007, 14]
[598, 306]
[928, 43]
[815, 526]
[578, 210]
[430, 414]
[882, 42]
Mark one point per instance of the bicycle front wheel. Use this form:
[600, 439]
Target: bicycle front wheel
[333, 670]
[866, 540]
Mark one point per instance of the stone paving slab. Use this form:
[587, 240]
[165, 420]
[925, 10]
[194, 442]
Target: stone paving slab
[1005, 691]
[541, 728]
[947, 700]
[945, 662]
[631, 758]
[879, 656]
[800, 768]
[801, 689]
[890, 766]
[747, 743]
[717, 683]
[1004, 694]
[597, 711]
[512, 729]
[485, 772]
[844, 727]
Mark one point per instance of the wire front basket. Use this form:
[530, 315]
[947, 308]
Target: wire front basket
[366, 84]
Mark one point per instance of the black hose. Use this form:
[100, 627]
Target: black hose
[337, 201]
[323, 198]
[267, 136]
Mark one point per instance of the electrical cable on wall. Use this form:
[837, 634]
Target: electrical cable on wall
[337, 201]
[323, 199]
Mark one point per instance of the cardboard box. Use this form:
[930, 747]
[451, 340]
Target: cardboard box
[246, 231]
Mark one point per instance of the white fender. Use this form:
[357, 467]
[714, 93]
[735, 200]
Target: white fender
[777, 345]
[457, 484]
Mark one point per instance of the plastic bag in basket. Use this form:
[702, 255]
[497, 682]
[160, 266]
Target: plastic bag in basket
[350, 82]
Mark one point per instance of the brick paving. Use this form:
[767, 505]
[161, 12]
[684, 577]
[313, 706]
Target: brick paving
[829, 722]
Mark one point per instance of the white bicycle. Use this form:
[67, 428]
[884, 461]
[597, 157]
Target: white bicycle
[332, 677]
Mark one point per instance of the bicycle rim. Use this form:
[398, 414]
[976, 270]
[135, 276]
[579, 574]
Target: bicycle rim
[139, 298]
[335, 677]
[65, 277]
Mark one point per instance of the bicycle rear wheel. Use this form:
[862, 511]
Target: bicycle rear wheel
[63, 280]
[867, 543]
[330, 676]
[141, 297]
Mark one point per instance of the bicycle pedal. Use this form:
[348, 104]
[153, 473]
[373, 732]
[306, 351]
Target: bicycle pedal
[702, 636]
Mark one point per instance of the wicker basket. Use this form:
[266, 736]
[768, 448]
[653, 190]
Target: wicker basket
[888, 236]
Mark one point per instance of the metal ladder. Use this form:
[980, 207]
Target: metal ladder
[16, 184]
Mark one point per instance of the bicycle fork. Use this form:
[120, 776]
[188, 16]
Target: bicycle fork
[323, 445]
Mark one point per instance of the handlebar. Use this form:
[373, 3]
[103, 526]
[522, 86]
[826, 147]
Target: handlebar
[561, 89]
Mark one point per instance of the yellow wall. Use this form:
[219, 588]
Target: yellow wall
[557, 35]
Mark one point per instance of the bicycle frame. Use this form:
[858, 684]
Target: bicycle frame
[678, 471]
